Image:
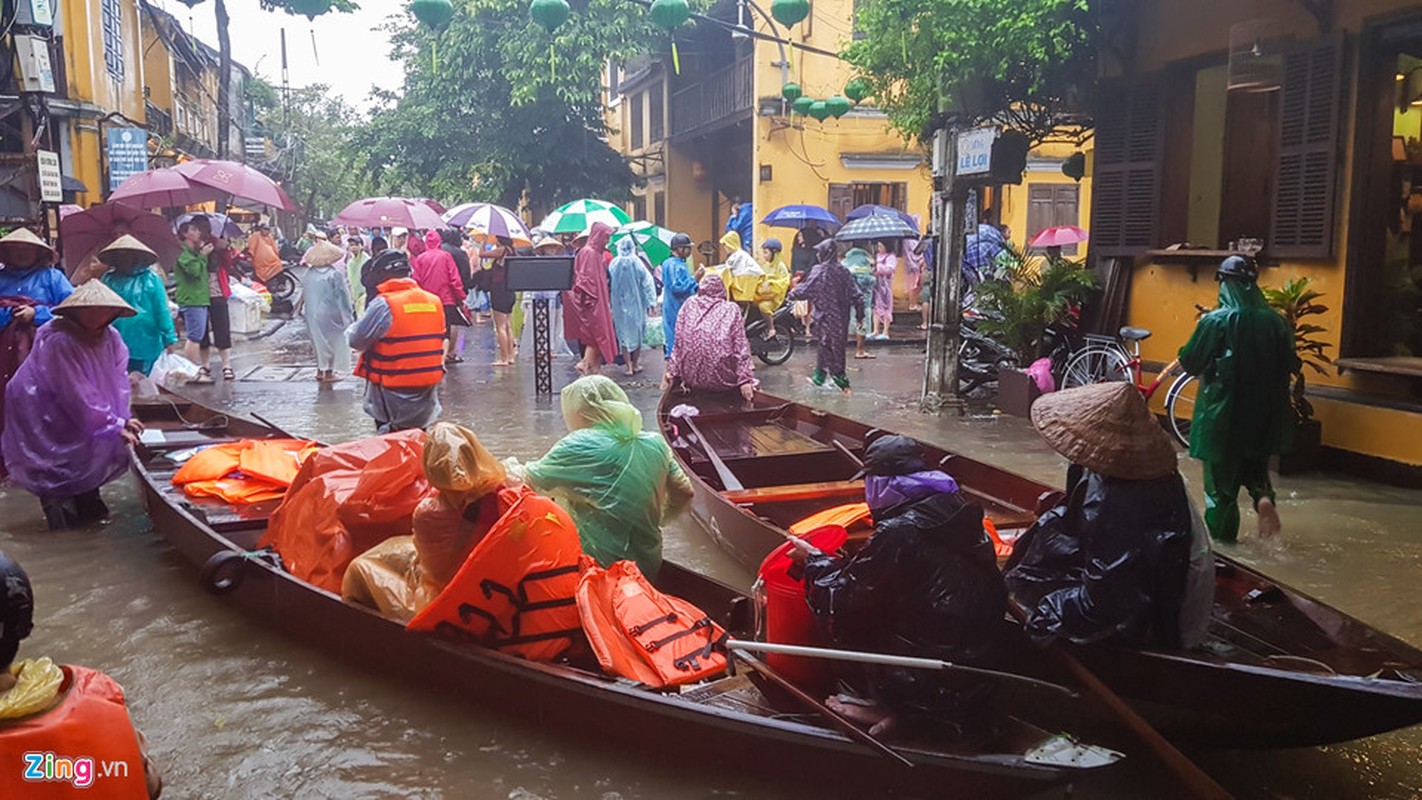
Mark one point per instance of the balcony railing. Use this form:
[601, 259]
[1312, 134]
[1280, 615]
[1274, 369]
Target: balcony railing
[160, 122]
[720, 98]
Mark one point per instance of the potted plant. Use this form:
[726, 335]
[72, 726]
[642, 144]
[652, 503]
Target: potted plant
[1296, 301]
[1030, 293]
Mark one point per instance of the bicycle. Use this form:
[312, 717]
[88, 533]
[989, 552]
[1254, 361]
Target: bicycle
[1105, 358]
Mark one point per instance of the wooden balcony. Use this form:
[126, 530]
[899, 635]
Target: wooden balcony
[722, 98]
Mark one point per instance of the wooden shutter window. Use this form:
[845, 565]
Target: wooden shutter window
[1305, 184]
[1125, 205]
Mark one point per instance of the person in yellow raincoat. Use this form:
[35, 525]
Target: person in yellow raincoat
[770, 294]
[740, 273]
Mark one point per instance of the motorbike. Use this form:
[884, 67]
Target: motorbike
[281, 285]
[777, 349]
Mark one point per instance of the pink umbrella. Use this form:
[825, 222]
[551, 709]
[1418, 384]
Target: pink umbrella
[67, 209]
[1059, 236]
[435, 204]
[83, 234]
[162, 188]
[236, 180]
[389, 212]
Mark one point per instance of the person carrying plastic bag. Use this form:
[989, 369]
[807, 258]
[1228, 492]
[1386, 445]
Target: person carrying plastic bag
[617, 481]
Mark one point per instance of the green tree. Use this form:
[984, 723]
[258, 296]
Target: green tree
[314, 154]
[1026, 63]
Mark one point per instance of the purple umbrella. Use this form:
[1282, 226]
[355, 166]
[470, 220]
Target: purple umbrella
[236, 180]
[163, 188]
[222, 226]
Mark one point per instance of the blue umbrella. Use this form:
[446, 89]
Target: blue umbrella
[875, 226]
[869, 209]
[800, 216]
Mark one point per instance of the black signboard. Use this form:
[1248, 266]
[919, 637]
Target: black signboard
[539, 273]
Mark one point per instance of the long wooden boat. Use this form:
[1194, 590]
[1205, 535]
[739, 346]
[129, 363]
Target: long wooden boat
[1279, 668]
[728, 723]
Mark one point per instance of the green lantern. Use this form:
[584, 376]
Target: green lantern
[1074, 166]
[549, 13]
[838, 106]
[670, 14]
[857, 89]
[802, 105]
[433, 13]
[791, 92]
[789, 12]
[310, 8]
[819, 110]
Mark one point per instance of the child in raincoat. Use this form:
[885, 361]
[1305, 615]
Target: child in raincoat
[740, 273]
[632, 294]
[617, 481]
[857, 261]
[770, 295]
[149, 332]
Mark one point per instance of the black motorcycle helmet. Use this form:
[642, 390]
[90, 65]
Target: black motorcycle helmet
[17, 609]
[680, 240]
[773, 245]
[1241, 267]
[892, 455]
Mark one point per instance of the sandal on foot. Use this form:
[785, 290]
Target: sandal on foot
[204, 376]
[228, 374]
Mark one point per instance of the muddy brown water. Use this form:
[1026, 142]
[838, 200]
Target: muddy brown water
[233, 710]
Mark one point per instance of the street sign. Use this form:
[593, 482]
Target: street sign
[975, 151]
[51, 181]
[128, 154]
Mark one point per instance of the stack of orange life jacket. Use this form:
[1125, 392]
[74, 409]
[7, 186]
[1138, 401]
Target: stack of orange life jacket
[245, 472]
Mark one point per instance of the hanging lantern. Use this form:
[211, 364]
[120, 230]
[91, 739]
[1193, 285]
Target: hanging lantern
[819, 110]
[191, 3]
[802, 105]
[1074, 166]
[791, 92]
[670, 14]
[549, 13]
[838, 106]
[789, 12]
[433, 13]
[857, 89]
[310, 8]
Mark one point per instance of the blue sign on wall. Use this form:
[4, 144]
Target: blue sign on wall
[128, 154]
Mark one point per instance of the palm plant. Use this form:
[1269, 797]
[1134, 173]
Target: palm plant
[1032, 293]
[1296, 301]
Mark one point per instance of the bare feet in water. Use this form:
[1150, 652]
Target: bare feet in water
[1269, 524]
[876, 718]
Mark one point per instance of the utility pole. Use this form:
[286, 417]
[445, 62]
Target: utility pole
[940, 375]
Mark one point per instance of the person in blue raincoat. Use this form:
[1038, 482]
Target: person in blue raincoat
[678, 285]
[632, 294]
[742, 222]
[26, 270]
[150, 331]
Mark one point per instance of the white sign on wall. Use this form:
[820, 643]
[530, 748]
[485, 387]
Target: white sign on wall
[51, 181]
[975, 151]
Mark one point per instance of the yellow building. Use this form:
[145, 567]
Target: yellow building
[1296, 124]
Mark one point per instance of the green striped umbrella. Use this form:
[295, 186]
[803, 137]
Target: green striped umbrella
[654, 240]
[579, 215]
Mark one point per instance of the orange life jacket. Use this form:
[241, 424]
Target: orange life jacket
[850, 514]
[516, 590]
[411, 354]
[83, 747]
[640, 633]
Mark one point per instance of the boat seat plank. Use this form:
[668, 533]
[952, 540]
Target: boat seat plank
[735, 441]
[796, 491]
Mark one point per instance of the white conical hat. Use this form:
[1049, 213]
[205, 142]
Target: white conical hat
[94, 294]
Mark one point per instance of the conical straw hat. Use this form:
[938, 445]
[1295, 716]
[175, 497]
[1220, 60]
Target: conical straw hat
[126, 251]
[24, 236]
[323, 254]
[94, 294]
[1106, 428]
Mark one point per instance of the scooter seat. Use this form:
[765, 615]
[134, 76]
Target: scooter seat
[1134, 334]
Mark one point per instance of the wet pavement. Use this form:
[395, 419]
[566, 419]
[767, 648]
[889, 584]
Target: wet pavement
[234, 710]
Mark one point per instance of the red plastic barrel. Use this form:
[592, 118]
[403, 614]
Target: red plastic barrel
[788, 619]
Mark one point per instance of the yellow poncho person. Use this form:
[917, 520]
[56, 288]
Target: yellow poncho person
[770, 294]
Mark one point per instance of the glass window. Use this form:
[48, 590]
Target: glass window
[635, 122]
[657, 123]
[112, 21]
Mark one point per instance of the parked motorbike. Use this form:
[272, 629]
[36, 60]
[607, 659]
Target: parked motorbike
[282, 285]
[777, 349]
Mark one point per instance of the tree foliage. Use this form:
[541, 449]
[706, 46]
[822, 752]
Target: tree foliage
[494, 105]
[314, 154]
[1026, 63]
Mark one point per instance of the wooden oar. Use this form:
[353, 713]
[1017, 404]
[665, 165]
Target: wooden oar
[889, 660]
[1195, 779]
[838, 720]
[729, 481]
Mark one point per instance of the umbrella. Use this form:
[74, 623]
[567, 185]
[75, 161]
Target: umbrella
[875, 226]
[870, 209]
[236, 180]
[68, 209]
[488, 221]
[222, 226]
[1059, 236]
[162, 188]
[579, 215]
[800, 216]
[84, 233]
[389, 212]
[654, 240]
[435, 204]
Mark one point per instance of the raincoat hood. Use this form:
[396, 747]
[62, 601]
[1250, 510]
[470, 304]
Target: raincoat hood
[887, 494]
[712, 286]
[596, 401]
[432, 239]
[459, 466]
[731, 240]
[598, 235]
[857, 258]
[824, 251]
[1237, 294]
[625, 247]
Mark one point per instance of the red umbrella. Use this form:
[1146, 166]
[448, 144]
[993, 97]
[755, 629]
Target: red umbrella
[236, 180]
[162, 188]
[389, 212]
[84, 233]
[435, 204]
[1059, 236]
[67, 209]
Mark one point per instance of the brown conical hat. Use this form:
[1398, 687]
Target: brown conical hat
[1106, 428]
[323, 254]
[126, 252]
[24, 237]
[94, 294]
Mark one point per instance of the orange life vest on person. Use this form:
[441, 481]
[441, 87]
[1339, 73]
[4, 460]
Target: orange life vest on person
[83, 747]
[640, 633]
[515, 591]
[411, 354]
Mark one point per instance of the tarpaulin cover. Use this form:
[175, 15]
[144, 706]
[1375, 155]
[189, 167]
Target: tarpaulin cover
[1109, 562]
[389, 579]
[346, 499]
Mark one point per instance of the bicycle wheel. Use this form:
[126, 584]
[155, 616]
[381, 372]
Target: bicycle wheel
[1096, 365]
[1180, 407]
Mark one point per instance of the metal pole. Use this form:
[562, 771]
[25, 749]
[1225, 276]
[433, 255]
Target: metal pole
[542, 348]
[940, 377]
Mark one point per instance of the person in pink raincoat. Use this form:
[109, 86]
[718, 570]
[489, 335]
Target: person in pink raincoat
[885, 265]
[436, 273]
[587, 307]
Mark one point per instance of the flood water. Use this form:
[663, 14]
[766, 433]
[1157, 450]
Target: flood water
[233, 710]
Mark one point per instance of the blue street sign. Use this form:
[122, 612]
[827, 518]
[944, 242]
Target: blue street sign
[128, 154]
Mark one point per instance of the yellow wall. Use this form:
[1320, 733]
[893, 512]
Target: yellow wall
[1013, 203]
[91, 84]
[157, 69]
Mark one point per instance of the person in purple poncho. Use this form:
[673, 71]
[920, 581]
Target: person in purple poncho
[70, 405]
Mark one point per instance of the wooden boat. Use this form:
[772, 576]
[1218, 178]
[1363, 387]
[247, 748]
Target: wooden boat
[1279, 669]
[726, 723]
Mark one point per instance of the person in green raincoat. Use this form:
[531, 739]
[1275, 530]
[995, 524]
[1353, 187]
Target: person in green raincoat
[861, 265]
[149, 332]
[617, 481]
[1243, 354]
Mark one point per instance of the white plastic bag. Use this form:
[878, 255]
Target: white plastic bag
[171, 368]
